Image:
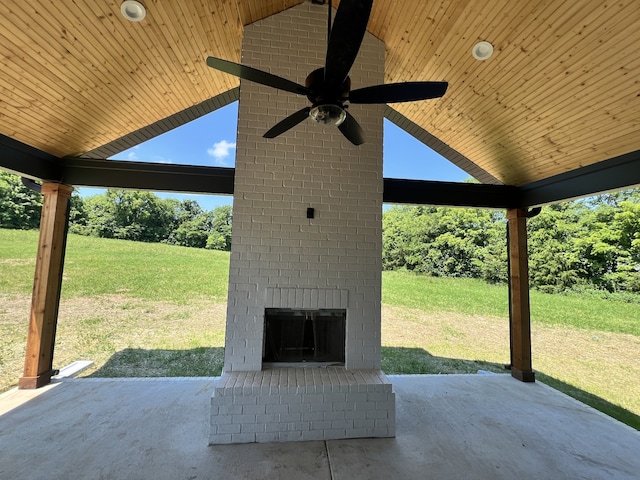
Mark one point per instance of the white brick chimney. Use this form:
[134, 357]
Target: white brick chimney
[282, 259]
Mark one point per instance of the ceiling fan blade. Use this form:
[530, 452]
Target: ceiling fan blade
[289, 122]
[352, 130]
[398, 92]
[346, 37]
[255, 75]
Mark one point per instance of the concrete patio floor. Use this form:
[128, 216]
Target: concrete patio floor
[448, 427]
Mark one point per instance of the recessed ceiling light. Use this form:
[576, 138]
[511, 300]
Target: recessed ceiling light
[482, 50]
[133, 11]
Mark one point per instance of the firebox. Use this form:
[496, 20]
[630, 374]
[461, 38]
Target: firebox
[302, 336]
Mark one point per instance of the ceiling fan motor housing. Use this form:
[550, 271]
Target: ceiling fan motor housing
[327, 106]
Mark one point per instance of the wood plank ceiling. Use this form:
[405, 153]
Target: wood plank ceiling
[561, 91]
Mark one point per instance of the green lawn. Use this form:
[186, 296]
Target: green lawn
[141, 309]
[96, 266]
[475, 297]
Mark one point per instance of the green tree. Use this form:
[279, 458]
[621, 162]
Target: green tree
[460, 242]
[78, 217]
[555, 260]
[611, 246]
[221, 219]
[129, 215]
[193, 232]
[20, 207]
[197, 228]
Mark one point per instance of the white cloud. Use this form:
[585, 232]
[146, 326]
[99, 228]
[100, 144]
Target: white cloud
[132, 156]
[159, 159]
[220, 151]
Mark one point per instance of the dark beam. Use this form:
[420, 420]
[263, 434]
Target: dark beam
[613, 174]
[147, 176]
[27, 161]
[424, 192]
[215, 180]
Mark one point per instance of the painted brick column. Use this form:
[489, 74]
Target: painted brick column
[334, 259]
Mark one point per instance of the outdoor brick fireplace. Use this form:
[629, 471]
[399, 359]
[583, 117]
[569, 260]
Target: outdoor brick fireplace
[302, 349]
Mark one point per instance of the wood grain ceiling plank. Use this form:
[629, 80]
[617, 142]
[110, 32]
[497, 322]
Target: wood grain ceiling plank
[537, 96]
[569, 124]
[561, 67]
[382, 15]
[223, 28]
[608, 149]
[25, 77]
[173, 90]
[118, 106]
[251, 11]
[173, 34]
[474, 73]
[442, 47]
[193, 47]
[139, 65]
[31, 136]
[589, 106]
[467, 74]
[449, 57]
[540, 158]
[244, 11]
[418, 35]
[567, 143]
[84, 38]
[35, 68]
[219, 32]
[28, 110]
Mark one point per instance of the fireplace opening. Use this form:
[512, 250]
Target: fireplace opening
[296, 336]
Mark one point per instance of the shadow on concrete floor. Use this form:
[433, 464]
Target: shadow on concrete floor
[207, 362]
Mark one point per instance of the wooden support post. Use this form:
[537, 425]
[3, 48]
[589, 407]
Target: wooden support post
[45, 300]
[519, 310]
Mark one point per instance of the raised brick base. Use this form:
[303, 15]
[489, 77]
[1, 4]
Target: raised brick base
[294, 404]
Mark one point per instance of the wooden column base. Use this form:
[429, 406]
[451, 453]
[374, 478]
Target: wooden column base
[31, 383]
[526, 376]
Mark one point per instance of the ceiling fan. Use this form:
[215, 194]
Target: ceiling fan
[329, 88]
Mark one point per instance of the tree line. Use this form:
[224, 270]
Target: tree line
[123, 214]
[587, 244]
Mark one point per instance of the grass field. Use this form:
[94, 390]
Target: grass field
[157, 310]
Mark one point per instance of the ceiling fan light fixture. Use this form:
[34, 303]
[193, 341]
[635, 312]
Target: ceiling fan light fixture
[133, 11]
[482, 51]
[328, 114]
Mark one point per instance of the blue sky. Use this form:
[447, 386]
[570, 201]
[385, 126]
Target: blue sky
[211, 140]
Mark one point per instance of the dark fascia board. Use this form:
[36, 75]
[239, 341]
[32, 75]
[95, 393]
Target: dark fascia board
[614, 174]
[452, 194]
[147, 176]
[216, 180]
[27, 161]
